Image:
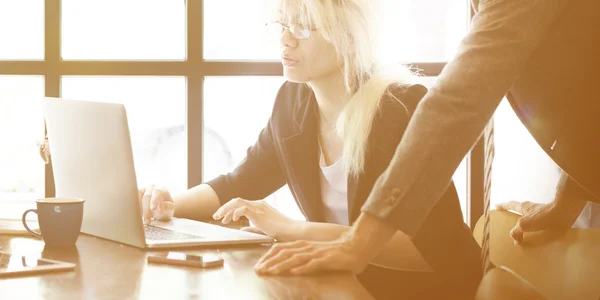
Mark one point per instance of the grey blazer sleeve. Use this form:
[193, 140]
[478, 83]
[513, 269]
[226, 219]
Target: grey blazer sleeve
[453, 114]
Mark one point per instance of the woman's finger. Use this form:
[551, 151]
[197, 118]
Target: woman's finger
[227, 218]
[146, 198]
[243, 211]
[165, 211]
[158, 196]
[240, 212]
[227, 207]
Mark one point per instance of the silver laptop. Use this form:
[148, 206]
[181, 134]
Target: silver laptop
[92, 158]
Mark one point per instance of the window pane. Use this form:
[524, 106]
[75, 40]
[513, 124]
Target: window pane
[156, 114]
[21, 127]
[229, 132]
[460, 175]
[422, 30]
[123, 29]
[22, 29]
[238, 33]
[411, 31]
[522, 171]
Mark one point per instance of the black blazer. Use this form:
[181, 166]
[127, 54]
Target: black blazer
[287, 151]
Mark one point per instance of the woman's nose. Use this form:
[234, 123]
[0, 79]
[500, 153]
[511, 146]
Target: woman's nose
[287, 40]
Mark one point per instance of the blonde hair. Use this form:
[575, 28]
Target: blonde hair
[351, 26]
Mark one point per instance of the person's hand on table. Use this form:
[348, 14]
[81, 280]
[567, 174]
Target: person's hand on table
[352, 251]
[309, 257]
[266, 219]
[157, 203]
[537, 217]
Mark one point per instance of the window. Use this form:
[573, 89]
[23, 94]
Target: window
[411, 30]
[238, 33]
[156, 115]
[123, 30]
[21, 127]
[414, 32]
[145, 54]
[21, 29]
[522, 171]
[229, 129]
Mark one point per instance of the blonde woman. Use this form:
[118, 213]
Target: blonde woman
[334, 127]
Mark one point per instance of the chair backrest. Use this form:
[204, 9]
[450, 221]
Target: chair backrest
[559, 265]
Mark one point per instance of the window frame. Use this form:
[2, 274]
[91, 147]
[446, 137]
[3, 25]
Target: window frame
[194, 68]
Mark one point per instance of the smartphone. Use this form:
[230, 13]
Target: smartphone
[183, 259]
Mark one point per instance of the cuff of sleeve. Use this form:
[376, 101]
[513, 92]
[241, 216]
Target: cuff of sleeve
[223, 189]
[385, 204]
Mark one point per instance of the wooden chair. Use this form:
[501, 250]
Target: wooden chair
[548, 265]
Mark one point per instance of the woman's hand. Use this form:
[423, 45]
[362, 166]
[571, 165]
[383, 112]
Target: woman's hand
[253, 230]
[266, 218]
[156, 203]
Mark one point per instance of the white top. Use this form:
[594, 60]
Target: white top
[334, 191]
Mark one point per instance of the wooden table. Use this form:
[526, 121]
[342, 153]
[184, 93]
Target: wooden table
[106, 270]
[560, 265]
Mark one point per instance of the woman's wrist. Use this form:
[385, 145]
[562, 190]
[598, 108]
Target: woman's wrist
[295, 230]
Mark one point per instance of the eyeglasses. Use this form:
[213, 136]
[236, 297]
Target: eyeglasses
[299, 32]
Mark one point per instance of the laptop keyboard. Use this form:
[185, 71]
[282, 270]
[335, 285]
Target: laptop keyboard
[158, 233]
